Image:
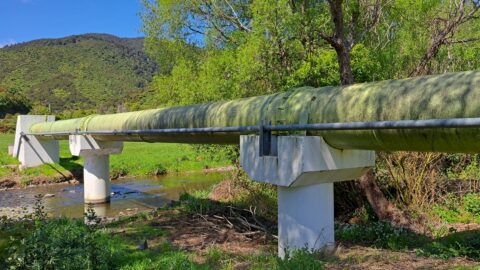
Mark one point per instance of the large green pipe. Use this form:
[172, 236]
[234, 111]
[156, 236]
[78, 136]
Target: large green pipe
[453, 95]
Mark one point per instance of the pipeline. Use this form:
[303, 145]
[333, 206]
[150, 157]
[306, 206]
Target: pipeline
[447, 96]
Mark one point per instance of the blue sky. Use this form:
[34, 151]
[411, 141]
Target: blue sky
[24, 20]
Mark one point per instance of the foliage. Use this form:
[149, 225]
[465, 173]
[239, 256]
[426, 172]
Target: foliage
[384, 235]
[463, 167]
[300, 259]
[454, 209]
[12, 102]
[463, 244]
[471, 203]
[412, 179]
[61, 244]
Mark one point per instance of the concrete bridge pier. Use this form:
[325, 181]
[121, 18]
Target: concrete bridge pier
[304, 168]
[96, 177]
[31, 150]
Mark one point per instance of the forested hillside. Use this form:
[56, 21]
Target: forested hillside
[75, 73]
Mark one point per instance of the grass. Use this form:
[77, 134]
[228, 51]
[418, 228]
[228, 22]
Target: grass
[61, 243]
[115, 245]
[137, 159]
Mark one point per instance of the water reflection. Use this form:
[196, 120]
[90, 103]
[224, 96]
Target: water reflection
[101, 209]
[129, 194]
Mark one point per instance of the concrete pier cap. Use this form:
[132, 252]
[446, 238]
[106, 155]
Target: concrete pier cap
[96, 176]
[31, 150]
[304, 168]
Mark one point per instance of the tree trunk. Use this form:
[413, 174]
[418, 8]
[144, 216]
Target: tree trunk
[384, 209]
[344, 68]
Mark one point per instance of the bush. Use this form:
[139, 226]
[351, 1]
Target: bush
[471, 202]
[159, 170]
[62, 244]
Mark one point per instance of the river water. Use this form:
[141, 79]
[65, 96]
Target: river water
[128, 194]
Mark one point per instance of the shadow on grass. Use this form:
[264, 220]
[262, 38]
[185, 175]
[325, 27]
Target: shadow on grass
[384, 235]
[74, 168]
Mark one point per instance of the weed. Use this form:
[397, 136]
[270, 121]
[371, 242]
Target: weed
[159, 170]
[300, 259]
[60, 244]
[471, 202]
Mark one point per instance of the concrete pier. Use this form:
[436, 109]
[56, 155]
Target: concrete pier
[305, 217]
[304, 169]
[96, 176]
[96, 179]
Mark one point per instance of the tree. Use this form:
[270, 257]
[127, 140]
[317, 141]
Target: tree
[443, 29]
[263, 46]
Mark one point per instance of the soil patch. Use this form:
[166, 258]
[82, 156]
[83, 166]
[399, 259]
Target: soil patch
[18, 181]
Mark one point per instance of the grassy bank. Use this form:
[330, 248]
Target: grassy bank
[136, 159]
[197, 233]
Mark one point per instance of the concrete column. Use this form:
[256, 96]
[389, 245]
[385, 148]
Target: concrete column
[30, 150]
[96, 179]
[96, 176]
[304, 169]
[305, 217]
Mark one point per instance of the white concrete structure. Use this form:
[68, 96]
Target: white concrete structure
[96, 177]
[304, 171]
[33, 151]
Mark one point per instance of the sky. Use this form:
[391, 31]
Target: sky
[25, 20]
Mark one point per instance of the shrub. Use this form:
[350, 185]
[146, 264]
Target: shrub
[62, 244]
[160, 170]
[471, 203]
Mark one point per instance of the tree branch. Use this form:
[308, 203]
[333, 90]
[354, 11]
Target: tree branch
[236, 18]
[451, 42]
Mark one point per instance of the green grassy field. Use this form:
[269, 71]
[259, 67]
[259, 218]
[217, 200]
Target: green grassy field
[135, 160]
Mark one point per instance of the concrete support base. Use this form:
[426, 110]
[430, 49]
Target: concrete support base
[96, 179]
[304, 169]
[305, 218]
[30, 150]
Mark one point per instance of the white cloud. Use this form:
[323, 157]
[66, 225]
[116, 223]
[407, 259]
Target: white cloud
[6, 42]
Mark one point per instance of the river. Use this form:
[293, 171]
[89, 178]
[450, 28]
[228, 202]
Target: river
[127, 195]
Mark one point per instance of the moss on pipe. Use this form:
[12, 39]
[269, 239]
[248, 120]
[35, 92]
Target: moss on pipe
[453, 95]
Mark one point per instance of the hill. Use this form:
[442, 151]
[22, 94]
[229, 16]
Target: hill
[90, 71]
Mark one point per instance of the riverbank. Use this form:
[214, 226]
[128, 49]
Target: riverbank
[198, 232]
[137, 159]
